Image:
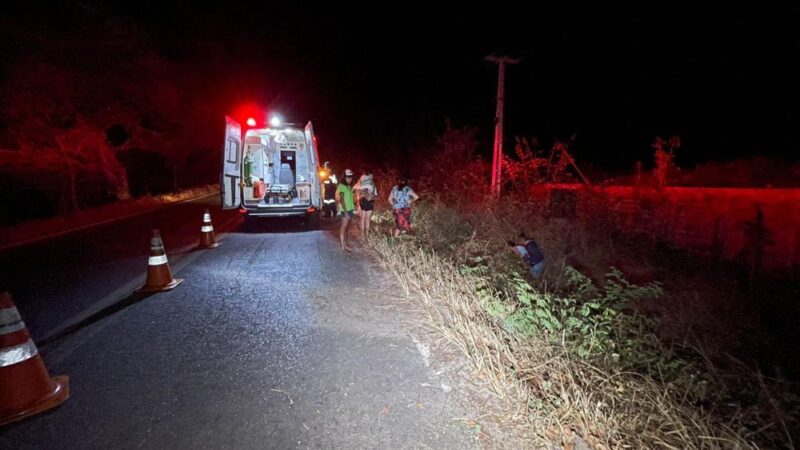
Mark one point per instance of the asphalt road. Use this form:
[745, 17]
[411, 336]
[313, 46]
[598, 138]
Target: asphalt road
[56, 283]
[276, 339]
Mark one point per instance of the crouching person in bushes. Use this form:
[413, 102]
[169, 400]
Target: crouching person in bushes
[530, 253]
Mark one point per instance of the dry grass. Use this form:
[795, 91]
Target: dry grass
[551, 393]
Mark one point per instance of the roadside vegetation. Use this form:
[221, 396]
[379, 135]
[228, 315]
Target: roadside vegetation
[597, 348]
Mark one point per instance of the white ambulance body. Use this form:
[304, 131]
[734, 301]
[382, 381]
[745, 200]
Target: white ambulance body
[271, 172]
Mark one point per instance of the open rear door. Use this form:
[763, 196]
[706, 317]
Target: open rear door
[316, 186]
[230, 180]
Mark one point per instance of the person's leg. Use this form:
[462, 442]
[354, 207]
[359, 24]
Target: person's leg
[367, 220]
[536, 269]
[343, 231]
[396, 230]
[404, 222]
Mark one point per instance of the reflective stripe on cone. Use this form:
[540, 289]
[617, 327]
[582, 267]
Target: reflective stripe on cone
[157, 260]
[26, 388]
[18, 353]
[10, 320]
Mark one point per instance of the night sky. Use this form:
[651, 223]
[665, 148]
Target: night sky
[378, 82]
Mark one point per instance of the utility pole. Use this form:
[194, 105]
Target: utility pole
[497, 158]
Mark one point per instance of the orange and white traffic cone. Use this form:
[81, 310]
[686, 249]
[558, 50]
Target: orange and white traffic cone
[159, 275]
[25, 385]
[207, 239]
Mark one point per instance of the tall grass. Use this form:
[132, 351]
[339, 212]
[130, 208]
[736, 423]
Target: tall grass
[574, 353]
[570, 355]
[555, 390]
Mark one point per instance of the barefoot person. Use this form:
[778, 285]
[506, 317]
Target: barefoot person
[346, 206]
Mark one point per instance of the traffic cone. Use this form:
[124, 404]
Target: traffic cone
[207, 239]
[25, 385]
[159, 275]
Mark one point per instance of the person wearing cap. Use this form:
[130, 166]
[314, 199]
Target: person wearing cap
[346, 206]
[401, 198]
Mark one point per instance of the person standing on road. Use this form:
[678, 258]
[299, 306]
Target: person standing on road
[401, 198]
[346, 206]
[367, 193]
[329, 185]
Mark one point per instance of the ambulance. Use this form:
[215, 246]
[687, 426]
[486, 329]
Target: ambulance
[272, 171]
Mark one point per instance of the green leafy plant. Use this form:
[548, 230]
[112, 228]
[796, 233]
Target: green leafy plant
[588, 320]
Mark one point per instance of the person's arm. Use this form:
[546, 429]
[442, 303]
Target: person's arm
[522, 252]
[413, 196]
[340, 199]
[390, 199]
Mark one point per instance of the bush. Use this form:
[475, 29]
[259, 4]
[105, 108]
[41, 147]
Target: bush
[576, 348]
[575, 351]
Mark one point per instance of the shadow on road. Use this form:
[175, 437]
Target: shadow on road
[281, 225]
[96, 317]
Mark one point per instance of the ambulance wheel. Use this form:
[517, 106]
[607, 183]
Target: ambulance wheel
[312, 220]
[250, 224]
